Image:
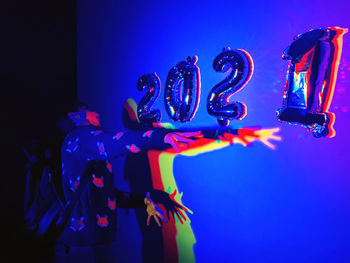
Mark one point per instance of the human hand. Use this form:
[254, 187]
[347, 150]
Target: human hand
[248, 135]
[153, 211]
[180, 140]
[170, 204]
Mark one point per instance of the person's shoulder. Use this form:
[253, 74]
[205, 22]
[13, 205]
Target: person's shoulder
[77, 137]
[79, 131]
[82, 130]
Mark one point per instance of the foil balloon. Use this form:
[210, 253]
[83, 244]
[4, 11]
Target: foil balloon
[240, 65]
[182, 90]
[312, 72]
[151, 84]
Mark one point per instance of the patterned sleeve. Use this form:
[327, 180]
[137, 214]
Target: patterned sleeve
[104, 146]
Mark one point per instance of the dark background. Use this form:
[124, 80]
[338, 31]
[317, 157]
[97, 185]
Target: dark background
[38, 81]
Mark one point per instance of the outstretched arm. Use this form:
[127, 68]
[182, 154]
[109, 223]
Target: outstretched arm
[217, 138]
[104, 146]
[245, 136]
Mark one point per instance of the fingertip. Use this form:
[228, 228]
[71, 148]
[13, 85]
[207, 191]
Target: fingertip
[173, 194]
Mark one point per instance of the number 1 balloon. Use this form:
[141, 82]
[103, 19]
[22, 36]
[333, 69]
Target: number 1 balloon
[312, 72]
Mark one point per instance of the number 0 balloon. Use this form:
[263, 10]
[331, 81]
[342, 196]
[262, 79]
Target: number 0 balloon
[182, 90]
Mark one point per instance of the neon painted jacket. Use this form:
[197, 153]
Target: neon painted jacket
[93, 219]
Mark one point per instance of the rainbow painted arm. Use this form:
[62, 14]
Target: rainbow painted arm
[216, 138]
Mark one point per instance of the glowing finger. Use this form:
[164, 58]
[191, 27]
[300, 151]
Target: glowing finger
[276, 138]
[268, 144]
[181, 214]
[156, 218]
[174, 145]
[185, 139]
[179, 217]
[190, 134]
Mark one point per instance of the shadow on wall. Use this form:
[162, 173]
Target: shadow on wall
[154, 169]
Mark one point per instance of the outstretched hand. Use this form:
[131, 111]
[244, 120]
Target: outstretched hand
[181, 140]
[170, 204]
[248, 135]
[153, 211]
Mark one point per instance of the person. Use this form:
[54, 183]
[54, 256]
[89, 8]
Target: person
[175, 241]
[90, 232]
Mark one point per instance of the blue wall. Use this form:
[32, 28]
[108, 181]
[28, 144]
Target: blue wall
[251, 204]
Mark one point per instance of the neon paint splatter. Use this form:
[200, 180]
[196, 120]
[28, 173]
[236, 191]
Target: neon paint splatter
[133, 148]
[72, 146]
[74, 184]
[96, 132]
[109, 166]
[118, 135]
[101, 148]
[147, 134]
